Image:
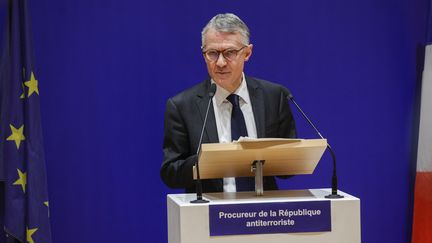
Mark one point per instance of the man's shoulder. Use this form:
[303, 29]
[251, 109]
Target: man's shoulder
[191, 92]
[264, 84]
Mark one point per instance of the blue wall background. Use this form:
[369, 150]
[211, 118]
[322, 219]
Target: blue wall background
[106, 68]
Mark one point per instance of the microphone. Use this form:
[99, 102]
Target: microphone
[198, 184]
[334, 194]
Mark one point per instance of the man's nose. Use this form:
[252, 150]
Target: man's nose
[221, 62]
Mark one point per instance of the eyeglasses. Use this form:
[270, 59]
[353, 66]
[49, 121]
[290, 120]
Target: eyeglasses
[228, 54]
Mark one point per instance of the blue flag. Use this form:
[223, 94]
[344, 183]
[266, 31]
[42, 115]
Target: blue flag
[24, 198]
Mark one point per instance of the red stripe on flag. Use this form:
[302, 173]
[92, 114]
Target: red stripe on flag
[422, 222]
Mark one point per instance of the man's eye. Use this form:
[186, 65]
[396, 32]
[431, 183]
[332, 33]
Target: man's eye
[230, 53]
[213, 54]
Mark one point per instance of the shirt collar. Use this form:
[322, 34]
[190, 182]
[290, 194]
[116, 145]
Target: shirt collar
[221, 93]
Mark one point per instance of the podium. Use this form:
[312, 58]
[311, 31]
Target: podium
[189, 223]
[301, 216]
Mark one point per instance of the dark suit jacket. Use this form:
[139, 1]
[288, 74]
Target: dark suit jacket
[184, 117]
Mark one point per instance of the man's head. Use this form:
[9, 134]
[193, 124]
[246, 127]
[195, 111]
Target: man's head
[225, 45]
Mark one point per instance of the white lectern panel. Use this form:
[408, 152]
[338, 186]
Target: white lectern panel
[189, 223]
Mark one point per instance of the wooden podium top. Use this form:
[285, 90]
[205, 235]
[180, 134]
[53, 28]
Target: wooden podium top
[282, 157]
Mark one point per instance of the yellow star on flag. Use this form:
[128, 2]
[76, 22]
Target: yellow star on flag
[47, 204]
[22, 96]
[22, 179]
[29, 233]
[17, 135]
[32, 84]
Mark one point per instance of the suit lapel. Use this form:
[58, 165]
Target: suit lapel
[202, 102]
[258, 105]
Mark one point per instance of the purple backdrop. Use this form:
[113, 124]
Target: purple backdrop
[106, 68]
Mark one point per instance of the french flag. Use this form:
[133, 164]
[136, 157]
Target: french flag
[422, 219]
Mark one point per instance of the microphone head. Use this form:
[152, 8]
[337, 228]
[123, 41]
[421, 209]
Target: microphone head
[287, 93]
[212, 90]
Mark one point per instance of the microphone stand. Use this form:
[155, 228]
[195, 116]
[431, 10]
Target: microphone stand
[198, 182]
[334, 191]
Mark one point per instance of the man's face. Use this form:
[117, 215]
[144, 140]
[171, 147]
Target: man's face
[226, 73]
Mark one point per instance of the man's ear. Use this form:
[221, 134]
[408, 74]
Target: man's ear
[248, 52]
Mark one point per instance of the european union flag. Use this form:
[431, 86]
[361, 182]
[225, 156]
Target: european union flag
[24, 199]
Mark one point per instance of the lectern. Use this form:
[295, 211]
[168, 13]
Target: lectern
[190, 223]
[301, 216]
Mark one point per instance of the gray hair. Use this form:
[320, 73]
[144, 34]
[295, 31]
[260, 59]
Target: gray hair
[228, 23]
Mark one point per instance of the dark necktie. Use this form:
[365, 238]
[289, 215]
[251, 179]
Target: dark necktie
[238, 125]
[238, 128]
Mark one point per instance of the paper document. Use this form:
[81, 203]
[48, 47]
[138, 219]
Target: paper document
[255, 140]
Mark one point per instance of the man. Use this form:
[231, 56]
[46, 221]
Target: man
[242, 106]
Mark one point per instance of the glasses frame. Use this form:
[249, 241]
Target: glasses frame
[237, 51]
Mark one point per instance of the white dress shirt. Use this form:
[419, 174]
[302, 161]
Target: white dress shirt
[222, 109]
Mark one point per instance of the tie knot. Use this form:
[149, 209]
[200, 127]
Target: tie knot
[234, 99]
